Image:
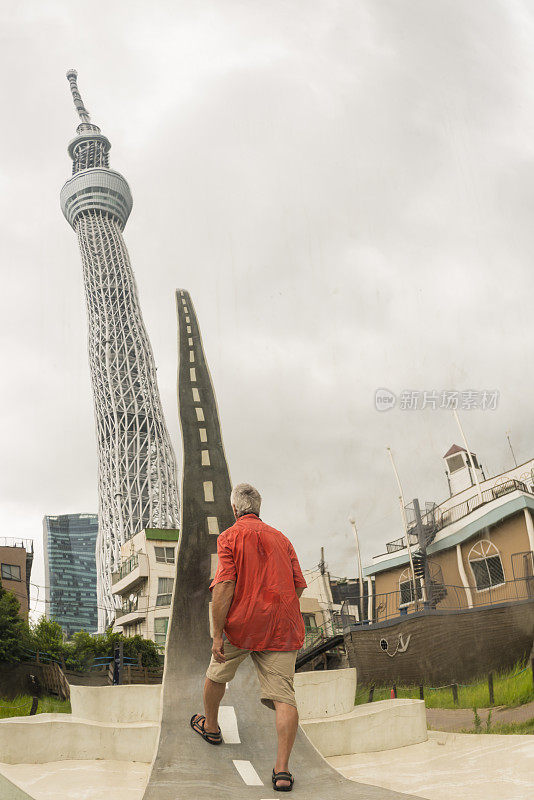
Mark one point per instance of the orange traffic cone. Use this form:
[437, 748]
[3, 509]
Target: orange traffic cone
[393, 694]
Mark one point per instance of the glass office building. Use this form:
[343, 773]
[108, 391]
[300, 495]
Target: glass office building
[69, 543]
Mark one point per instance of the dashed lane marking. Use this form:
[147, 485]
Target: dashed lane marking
[248, 773]
[196, 396]
[200, 414]
[213, 526]
[192, 374]
[228, 724]
[208, 491]
[205, 461]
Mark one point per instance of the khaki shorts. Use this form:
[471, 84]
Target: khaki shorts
[275, 670]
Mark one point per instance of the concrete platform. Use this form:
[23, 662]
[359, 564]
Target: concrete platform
[58, 737]
[79, 780]
[450, 766]
[384, 725]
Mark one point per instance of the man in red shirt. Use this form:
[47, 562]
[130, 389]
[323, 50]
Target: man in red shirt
[255, 603]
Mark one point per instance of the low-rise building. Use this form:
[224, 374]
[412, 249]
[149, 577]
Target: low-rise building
[144, 584]
[472, 549]
[16, 559]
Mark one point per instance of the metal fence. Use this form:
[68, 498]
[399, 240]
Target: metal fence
[389, 605]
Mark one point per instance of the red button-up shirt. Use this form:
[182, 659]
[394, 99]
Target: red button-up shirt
[265, 611]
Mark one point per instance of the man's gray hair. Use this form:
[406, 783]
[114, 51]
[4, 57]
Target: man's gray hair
[246, 499]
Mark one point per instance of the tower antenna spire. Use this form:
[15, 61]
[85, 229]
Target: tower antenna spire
[83, 113]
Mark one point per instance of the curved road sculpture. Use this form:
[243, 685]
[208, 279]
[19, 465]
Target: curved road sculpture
[186, 767]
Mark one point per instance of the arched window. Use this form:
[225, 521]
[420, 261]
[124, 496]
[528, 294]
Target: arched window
[486, 565]
[406, 588]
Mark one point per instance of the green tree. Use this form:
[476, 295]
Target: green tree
[13, 629]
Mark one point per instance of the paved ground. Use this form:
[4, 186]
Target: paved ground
[80, 780]
[457, 719]
[450, 766]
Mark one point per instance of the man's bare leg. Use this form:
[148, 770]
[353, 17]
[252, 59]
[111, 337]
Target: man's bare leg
[287, 722]
[213, 694]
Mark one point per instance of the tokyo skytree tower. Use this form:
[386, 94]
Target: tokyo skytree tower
[137, 479]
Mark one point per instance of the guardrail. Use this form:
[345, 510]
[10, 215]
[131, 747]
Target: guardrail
[444, 597]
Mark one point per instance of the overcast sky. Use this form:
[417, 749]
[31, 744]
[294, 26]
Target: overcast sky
[347, 191]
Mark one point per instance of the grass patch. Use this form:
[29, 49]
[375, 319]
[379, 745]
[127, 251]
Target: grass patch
[512, 688]
[505, 728]
[20, 706]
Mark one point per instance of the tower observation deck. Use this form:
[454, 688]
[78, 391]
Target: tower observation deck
[137, 477]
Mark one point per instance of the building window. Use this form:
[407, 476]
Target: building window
[164, 591]
[406, 588]
[309, 621]
[161, 625]
[164, 555]
[486, 565]
[10, 572]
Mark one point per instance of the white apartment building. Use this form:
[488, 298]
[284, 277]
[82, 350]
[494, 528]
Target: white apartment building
[144, 583]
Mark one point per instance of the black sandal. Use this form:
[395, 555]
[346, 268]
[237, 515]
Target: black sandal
[197, 722]
[282, 776]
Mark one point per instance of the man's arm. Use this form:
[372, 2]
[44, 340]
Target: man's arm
[223, 594]
[299, 590]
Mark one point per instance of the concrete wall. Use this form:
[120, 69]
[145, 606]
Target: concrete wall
[369, 728]
[443, 647]
[135, 703]
[59, 737]
[325, 693]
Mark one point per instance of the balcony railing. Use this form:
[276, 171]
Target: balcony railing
[125, 568]
[446, 516]
[442, 597]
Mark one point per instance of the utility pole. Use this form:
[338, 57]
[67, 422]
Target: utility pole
[327, 590]
[361, 604]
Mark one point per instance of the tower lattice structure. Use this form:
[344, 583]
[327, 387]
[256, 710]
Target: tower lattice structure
[137, 477]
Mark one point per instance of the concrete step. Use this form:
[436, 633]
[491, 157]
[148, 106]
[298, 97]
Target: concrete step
[58, 737]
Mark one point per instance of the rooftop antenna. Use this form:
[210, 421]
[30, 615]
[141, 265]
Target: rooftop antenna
[72, 77]
[360, 570]
[511, 448]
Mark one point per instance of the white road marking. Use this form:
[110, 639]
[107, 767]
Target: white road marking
[190, 342]
[189, 328]
[214, 563]
[196, 396]
[248, 773]
[187, 319]
[186, 310]
[205, 458]
[191, 356]
[213, 526]
[183, 299]
[228, 724]
[181, 292]
[200, 414]
[208, 491]
[203, 434]
[192, 374]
